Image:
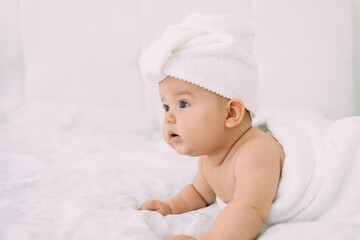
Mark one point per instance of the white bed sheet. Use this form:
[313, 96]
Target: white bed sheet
[62, 179]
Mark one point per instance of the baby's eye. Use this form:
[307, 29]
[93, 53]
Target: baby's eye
[166, 108]
[183, 104]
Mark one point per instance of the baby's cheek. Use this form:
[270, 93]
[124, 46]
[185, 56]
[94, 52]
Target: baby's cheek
[163, 132]
[165, 135]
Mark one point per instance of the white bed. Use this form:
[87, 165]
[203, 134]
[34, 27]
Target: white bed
[80, 147]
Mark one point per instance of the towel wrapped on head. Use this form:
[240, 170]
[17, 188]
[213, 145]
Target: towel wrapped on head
[214, 52]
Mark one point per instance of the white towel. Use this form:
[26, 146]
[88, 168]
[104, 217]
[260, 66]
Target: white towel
[321, 171]
[319, 194]
[214, 52]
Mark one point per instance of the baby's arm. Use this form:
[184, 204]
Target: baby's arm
[257, 173]
[194, 196]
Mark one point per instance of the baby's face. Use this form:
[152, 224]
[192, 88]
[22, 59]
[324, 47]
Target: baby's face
[194, 117]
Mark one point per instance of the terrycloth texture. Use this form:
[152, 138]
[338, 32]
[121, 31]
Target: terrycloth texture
[321, 173]
[319, 187]
[211, 51]
[220, 203]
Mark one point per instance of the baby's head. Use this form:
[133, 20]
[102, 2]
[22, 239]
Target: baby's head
[197, 121]
[211, 54]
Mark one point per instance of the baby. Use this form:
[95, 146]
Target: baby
[208, 87]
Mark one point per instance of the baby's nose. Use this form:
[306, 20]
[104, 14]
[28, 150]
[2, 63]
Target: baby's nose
[170, 118]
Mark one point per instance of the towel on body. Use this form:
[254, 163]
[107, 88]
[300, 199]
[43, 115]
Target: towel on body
[319, 194]
[214, 52]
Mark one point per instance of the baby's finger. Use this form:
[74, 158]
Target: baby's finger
[149, 205]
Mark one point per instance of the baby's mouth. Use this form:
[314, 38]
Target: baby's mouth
[173, 136]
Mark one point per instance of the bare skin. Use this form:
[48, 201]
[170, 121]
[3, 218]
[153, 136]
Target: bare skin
[237, 162]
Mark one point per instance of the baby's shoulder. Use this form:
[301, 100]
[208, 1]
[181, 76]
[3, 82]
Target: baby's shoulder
[256, 143]
[258, 137]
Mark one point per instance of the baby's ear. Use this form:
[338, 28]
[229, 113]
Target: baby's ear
[235, 112]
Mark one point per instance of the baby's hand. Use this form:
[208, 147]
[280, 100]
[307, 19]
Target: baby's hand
[180, 237]
[158, 206]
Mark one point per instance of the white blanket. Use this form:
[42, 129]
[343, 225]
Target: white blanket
[61, 179]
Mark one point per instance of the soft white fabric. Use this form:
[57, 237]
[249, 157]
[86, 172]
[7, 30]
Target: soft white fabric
[221, 204]
[319, 183]
[214, 52]
[63, 179]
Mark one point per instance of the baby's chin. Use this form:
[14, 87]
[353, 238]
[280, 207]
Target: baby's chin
[182, 149]
[186, 151]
